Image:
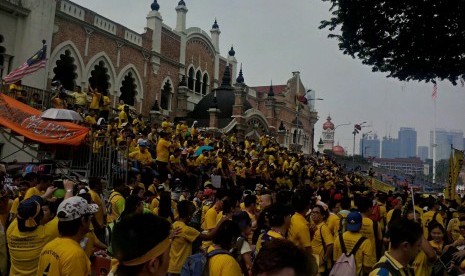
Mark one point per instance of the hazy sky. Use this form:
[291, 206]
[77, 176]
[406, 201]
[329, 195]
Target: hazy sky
[273, 38]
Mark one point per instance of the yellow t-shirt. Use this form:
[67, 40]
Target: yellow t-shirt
[333, 223]
[163, 152]
[122, 118]
[181, 246]
[117, 202]
[144, 157]
[63, 256]
[25, 247]
[210, 218]
[80, 98]
[367, 232]
[99, 215]
[383, 271]
[106, 103]
[363, 256]
[421, 265]
[299, 233]
[272, 234]
[14, 207]
[32, 192]
[94, 104]
[322, 231]
[90, 120]
[223, 264]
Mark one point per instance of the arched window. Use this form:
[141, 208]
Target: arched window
[99, 78]
[165, 102]
[128, 89]
[190, 80]
[65, 70]
[205, 84]
[198, 81]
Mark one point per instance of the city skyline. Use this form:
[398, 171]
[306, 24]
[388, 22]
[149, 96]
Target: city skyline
[286, 40]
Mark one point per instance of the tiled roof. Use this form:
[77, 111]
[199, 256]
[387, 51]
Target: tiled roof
[277, 89]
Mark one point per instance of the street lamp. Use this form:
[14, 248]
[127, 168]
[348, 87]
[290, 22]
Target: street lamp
[357, 129]
[297, 135]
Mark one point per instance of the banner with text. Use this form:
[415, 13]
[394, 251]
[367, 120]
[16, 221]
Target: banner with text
[25, 120]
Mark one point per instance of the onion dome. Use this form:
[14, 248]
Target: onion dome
[328, 124]
[338, 150]
[232, 52]
[240, 78]
[226, 77]
[215, 25]
[155, 6]
[181, 3]
[321, 142]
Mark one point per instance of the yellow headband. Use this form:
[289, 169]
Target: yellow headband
[153, 253]
[30, 222]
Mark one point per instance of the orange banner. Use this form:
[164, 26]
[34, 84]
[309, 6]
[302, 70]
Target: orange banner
[26, 121]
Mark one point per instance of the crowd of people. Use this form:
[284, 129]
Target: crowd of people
[195, 203]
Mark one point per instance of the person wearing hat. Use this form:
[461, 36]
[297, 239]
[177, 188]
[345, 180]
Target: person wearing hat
[453, 227]
[142, 157]
[64, 255]
[26, 237]
[364, 260]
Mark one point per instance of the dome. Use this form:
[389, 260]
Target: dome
[155, 6]
[224, 101]
[328, 124]
[181, 3]
[338, 150]
[232, 52]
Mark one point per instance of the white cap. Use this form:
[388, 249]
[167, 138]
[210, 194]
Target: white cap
[75, 207]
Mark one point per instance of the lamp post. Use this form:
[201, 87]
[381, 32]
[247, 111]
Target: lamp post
[298, 111]
[357, 128]
[364, 135]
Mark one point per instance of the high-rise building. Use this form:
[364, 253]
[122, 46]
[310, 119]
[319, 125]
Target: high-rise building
[390, 148]
[407, 142]
[422, 152]
[444, 140]
[369, 145]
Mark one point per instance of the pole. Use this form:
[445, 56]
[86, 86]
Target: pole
[45, 75]
[363, 138]
[353, 153]
[434, 145]
[413, 205]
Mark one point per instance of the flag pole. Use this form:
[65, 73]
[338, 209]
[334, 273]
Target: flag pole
[45, 74]
[434, 141]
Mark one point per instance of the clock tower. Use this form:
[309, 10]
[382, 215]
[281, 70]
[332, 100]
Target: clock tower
[328, 134]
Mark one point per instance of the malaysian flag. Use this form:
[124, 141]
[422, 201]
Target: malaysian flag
[37, 61]
[434, 95]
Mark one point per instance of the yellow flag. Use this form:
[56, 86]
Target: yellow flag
[455, 165]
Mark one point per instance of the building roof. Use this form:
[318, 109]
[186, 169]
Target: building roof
[277, 89]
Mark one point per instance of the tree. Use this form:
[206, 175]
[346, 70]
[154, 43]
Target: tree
[410, 40]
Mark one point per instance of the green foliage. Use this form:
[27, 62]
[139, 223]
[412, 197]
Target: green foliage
[410, 40]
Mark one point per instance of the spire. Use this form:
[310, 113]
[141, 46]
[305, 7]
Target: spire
[240, 78]
[226, 77]
[232, 52]
[270, 92]
[281, 126]
[181, 3]
[155, 6]
[215, 25]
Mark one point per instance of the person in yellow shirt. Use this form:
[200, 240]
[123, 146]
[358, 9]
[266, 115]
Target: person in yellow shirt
[406, 239]
[370, 229]
[163, 154]
[64, 255]
[432, 215]
[279, 220]
[453, 227]
[153, 236]
[116, 201]
[323, 240]
[142, 158]
[299, 230]
[26, 237]
[220, 262]
[80, 98]
[99, 221]
[96, 98]
[181, 245]
[123, 116]
[91, 118]
[333, 219]
[353, 242]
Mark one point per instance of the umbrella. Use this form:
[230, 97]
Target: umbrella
[202, 149]
[61, 114]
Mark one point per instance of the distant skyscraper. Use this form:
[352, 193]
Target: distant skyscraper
[369, 146]
[444, 139]
[407, 142]
[423, 152]
[390, 148]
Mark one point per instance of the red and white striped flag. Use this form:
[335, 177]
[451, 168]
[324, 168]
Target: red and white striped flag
[37, 61]
[435, 91]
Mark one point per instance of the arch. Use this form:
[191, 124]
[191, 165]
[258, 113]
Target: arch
[203, 38]
[205, 83]
[102, 56]
[130, 68]
[256, 122]
[191, 77]
[79, 62]
[166, 100]
[198, 81]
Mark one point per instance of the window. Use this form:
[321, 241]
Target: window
[128, 89]
[205, 84]
[165, 102]
[190, 80]
[198, 81]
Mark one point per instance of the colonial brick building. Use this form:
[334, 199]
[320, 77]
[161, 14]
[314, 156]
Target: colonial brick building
[146, 69]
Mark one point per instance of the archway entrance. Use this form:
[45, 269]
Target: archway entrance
[99, 78]
[65, 71]
[128, 89]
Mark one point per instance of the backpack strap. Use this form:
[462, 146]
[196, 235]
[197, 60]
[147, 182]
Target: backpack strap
[216, 252]
[343, 245]
[341, 224]
[357, 245]
[389, 267]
